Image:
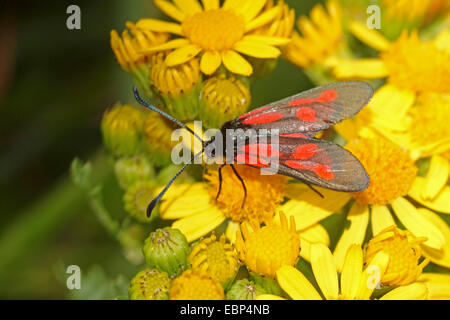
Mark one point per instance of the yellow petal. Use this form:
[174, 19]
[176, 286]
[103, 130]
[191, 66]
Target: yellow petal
[372, 275]
[232, 228]
[440, 257]
[369, 68]
[199, 224]
[413, 291]
[262, 19]
[188, 6]
[390, 100]
[172, 44]
[183, 200]
[268, 297]
[417, 223]
[436, 178]
[351, 272]
[370, 37]
[438, 285]
[234, 62]
[257, 50]
[171, 10]
[440, 203]
[311, 235]
[159, 26]
[332, 200]
[267, 40]
[210, 62]
[381, 219]
[250, 8]
[305, 214]
[347, 129]
[324, 268]
[295, 284]
[183, 54]
[210, 4]
[358, 217]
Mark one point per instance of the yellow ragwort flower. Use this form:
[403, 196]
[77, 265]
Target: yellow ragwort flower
[404, 254]
[282, 25]
[219, 33]
[391, 170]
[408, 63]
[177, 80]
[215, 257]
[320, 36]
[265, 249]
[223, 99]
[259, 206]
[393, 178]
[157, 132]
[179, 86]
[196, 211]
[196, 286]
[128, 48]
[356, 282]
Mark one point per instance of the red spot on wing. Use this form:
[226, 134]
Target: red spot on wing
[306, 114]
[294, 135]
[326, 96]
[304, 151]
[251, 160]
[322, 170]
[254, 111]
[262, 150]
[263, 118]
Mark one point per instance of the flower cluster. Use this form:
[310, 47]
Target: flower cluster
[386, 242]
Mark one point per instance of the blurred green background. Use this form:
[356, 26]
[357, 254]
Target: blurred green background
[55, 85]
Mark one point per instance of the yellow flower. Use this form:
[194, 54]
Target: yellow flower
[179, 86]
[421, 129]
[157, 132]
[196, 286]
[223, 99]
[196, 211]
[320, 37]
[409, 63]
[128, 48]
[356, 283]
[219, 33]
[265, 249]
[216, 258]
[404, 253]
[282, 25]
[393, 178]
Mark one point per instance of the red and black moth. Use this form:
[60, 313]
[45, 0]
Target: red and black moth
[299, 155]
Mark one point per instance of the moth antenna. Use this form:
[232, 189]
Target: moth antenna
[243, 184]
[155, 201]
[165, 115]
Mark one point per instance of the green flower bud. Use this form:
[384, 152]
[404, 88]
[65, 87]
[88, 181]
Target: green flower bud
[223, 99]
[158, 142]
[268, 284]
[167, 250]
[150, 285]
[244, 290]
[137, 198]
[129, 170]
[122, 130]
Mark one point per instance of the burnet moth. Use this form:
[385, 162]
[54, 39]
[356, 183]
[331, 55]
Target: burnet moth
[298, 154]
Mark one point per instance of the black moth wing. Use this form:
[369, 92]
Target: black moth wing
[314, 161]
[310, 111]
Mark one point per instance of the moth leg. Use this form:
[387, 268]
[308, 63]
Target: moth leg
[314, 189]
[220, 180]
[243, 184]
